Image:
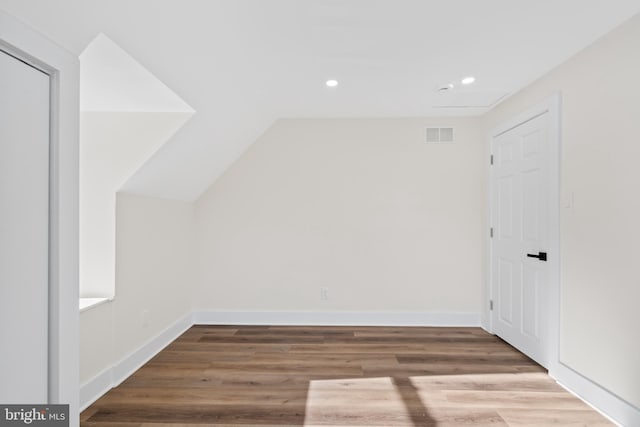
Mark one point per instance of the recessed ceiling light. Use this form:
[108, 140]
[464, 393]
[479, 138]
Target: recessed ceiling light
[332, 83]
[468, 80]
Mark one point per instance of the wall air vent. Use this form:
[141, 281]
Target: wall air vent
[439, 135]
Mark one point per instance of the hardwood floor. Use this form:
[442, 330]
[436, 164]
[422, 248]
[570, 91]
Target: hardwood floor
[339, 376]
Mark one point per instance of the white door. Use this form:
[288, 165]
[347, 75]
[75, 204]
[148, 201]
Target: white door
[24, 232]
[520, 202]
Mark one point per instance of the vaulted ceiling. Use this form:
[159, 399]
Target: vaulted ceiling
[241, 64]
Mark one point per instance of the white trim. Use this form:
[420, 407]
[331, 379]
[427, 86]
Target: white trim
[85, 304]
[114, 375]
[62, 66]
[552, 106]
[594, 395]
[601, 399]
[344, 318]
[95, 388]
[136, 359]
[608, 404]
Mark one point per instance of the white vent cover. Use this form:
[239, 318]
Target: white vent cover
[438, 135]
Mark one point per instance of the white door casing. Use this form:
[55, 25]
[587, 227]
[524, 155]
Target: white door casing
[24, 231]
[62, 66]
[524, 217]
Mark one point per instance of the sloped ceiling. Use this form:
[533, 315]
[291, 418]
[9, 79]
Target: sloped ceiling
[111, 80]
[241, 64]
[126, 112]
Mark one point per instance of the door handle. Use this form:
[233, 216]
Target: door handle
[542, 256]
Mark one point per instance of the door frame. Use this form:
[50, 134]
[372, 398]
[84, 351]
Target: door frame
[31, 47]
[551, 106]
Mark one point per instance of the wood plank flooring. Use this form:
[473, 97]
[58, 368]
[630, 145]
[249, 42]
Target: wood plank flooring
[339, 376]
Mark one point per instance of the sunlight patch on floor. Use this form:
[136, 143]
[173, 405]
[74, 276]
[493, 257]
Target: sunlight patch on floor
[375, 401]
[425, 400]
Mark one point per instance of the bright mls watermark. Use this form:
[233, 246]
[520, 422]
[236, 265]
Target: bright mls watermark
[34, 415]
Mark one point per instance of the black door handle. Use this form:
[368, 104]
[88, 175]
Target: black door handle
[542, 256]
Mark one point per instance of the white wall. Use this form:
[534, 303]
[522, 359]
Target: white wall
[600, 281]
[96, 341]
[362, 207]
[113, 145]
[154, 268]
[154, 277]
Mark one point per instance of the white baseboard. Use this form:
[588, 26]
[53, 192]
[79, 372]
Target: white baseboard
[134, 361]
[111, 377]
[611, 406]
[95, 388]
[601, 399]
[335, 318]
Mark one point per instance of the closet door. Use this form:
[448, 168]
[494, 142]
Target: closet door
[24, 231]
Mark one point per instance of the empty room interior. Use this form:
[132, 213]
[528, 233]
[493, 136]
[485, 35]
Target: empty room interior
[322, 212]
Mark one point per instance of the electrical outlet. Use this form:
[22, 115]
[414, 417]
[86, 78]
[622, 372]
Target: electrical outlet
[324, 294]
